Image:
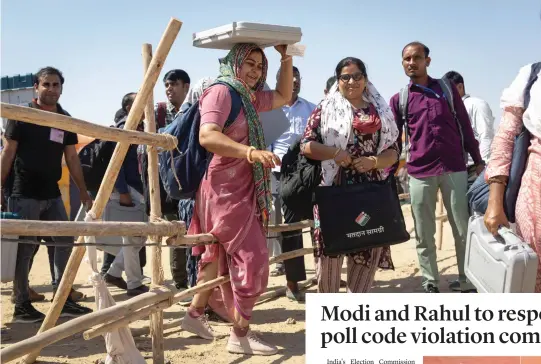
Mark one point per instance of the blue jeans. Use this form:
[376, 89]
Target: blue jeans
[31, 209]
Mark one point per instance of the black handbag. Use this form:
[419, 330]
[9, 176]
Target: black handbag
[299, 177]
[360, 216]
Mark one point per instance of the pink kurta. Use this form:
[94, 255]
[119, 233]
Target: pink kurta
[528, 208]
[225, 206]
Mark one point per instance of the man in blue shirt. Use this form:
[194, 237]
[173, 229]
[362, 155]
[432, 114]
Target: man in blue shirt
[298, 110]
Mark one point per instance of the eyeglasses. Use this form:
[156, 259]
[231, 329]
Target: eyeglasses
[356, 77]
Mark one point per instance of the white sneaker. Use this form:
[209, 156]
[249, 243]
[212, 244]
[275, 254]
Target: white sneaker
[146, 280]
[250, 344]
[198, 326]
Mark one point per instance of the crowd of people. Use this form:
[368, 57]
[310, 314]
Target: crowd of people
[446, 135]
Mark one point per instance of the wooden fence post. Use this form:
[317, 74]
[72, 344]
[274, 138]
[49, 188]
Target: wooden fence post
[156, 317]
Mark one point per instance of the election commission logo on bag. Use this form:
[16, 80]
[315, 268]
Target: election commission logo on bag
[362, 219]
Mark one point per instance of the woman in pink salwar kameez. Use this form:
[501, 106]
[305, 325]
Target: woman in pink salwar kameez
[233, 201]
[528, 207]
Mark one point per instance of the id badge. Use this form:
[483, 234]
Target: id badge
[57, 136]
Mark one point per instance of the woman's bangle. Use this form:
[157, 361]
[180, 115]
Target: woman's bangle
[496, 180]
[375, 159]
[338, 150]
[285, 59]
[249, 154]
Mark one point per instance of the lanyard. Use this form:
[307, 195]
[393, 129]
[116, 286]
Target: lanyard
[426, 89]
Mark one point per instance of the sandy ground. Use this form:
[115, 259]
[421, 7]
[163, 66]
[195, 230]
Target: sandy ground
[269, 317]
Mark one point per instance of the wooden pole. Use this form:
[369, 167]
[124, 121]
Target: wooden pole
[156, 317]
[291, 227]
[191, 239]
[282, 291]
[440, 221]
[145, 330]
[110, 228]
[54, 120]
[134, 117]
[176, 229]
[200, 288]
[78, 324]
[290, 255]
[126, 321]
[209, 238]
[403, 196]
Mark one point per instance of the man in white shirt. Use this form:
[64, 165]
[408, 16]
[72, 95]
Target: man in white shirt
[481, 119]
[298, 110]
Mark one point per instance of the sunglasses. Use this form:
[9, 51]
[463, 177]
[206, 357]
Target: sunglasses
[356, 77]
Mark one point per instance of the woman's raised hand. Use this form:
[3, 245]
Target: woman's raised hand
[281, 49]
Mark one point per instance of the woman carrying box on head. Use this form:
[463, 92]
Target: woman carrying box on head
[233, 202]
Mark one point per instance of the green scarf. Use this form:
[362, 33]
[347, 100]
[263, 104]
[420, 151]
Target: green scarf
[230, 68]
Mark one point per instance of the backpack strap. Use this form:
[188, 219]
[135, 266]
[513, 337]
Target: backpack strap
[236, 105]
[161, 111]
[403, 109]
[536, 67]
[448, 94]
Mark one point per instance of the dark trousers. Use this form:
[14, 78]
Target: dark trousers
[48, 210]
[50, 252]
[292, 240]
[183, 264]
[177, 261]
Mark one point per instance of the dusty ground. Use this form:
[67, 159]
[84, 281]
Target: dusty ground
[269, 317]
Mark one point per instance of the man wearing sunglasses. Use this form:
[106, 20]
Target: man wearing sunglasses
[438, 136]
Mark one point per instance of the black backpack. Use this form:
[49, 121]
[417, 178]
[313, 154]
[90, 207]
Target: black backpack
[299, 177]
[95, 158]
